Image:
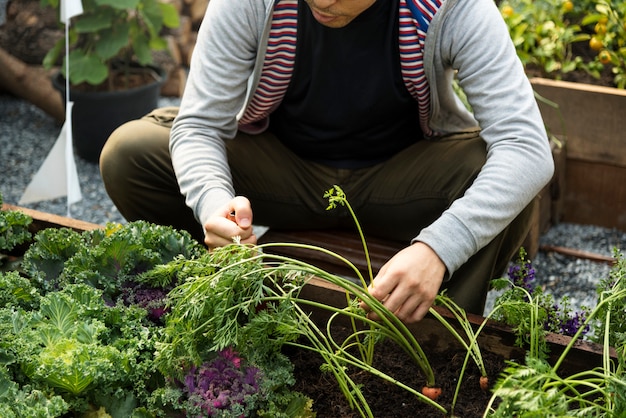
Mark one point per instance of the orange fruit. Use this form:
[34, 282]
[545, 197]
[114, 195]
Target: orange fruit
[600, 28]
[568, 6]
[595, 44]
[507, 11]
[604, 56]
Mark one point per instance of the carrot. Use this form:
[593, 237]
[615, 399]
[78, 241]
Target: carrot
[432, 393]
[484, 382]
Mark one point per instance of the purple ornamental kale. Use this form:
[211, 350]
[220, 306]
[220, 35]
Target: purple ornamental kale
[223, 382]
[151, 299]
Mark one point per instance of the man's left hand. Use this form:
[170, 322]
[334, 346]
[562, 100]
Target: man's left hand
[409, 282]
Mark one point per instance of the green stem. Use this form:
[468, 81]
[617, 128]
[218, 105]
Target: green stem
[388, 319]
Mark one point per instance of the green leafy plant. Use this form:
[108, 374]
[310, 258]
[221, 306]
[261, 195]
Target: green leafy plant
[607, 22]
[537, 388]
[543, 34]
[557, 37]
[77, 335]
[228, 315]
[13, 228]
[76, 347]
[524, 306]
[110, 36]
[71, 337]
[237, 299]
[111, 259]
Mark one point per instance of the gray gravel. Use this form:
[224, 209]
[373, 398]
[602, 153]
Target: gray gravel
[27, 134]
[576, 278]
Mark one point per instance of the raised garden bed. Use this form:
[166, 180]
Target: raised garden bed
[589, 119]
[496, 341]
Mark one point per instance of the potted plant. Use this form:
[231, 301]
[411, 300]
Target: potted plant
[112, 76]
[575, 56]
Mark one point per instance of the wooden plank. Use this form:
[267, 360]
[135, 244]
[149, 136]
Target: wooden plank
[573, 252]
[591, 117]
[595, 195]
[43, 220]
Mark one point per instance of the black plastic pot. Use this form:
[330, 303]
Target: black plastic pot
[95, 115]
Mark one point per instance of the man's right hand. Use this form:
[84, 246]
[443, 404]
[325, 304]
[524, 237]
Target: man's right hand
[232, 220]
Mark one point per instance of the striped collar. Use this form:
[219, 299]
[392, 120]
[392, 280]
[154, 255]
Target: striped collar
[415, 17]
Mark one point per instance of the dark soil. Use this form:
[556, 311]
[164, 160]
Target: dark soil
[123, 80]
[387, 400]
[579, 76]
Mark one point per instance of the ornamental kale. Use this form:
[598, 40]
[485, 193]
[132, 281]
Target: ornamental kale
[110, 259]
[126, 252]
[16, 402]
[76, 347]
[68, 353]
[17, 291]
[79, 332]
[45, 259]
[153, 300]
[223, 384]
[226, 301]
[13, 228]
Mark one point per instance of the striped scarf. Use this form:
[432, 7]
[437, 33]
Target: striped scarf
[415, 17]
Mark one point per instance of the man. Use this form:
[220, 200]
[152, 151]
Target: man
[286, 98]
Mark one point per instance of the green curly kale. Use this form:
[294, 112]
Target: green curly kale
[16, 402]
[107, 259]
[13, 228]
[53, 247]
[81, 349]
[17, 291]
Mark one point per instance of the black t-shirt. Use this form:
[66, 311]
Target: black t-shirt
[347, 105]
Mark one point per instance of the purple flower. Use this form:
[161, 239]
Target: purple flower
[560, 320]
[571, 325]
[522, 275]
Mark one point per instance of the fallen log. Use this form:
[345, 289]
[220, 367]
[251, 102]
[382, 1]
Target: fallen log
[31, 83]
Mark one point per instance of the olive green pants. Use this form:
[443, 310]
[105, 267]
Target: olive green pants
[394, 199]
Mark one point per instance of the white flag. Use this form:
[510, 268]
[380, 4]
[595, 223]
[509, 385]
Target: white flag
[57, 176]
[69, 9]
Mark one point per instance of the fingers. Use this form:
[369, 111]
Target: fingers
[408, 283]
[233, 222]
[409, 304]
[240, 209]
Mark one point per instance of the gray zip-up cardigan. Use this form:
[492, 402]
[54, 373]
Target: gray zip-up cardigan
[465, 37]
